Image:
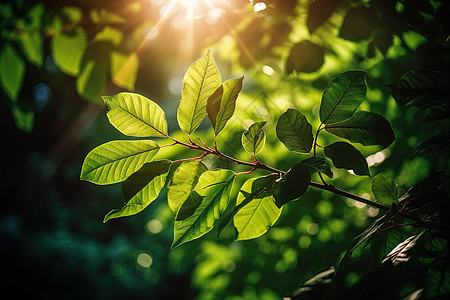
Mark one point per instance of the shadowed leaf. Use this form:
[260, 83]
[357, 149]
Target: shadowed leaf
[319, 11]
[317, 164]
[385, 190]
[305, 57]
[294, 131]
[345, 156]
[343, 96]
[292, 185]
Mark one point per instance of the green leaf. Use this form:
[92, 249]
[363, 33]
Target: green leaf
[114, 161]
[142, 188]
[441, 141]
[215, 188]
[422, 88]
[94, 70]
[385, 190]
[124, 69]
[317, 164]
[364, 127]
[401, 253]
[260, 188]
[319, 12]
[24, 119]
[12, 71]
[183, 182]
[68, 49]
[135, 115]
[255, 218]
[33, 47]
[305, 57]
[345, 156]
[293, 184]
[221, 104]
[359, 23]
[254, 138]
[201, 80]
[294, 131]
[343, 96]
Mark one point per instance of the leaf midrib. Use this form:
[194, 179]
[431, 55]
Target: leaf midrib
[191, 123]
[339, 101]
[296, 133]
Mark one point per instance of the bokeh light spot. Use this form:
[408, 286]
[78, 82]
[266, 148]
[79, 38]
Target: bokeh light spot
[41, 94]
[144, 260]
[154, 226]
[260, 6]
[268, 70]
[304, 241]
[313, 228]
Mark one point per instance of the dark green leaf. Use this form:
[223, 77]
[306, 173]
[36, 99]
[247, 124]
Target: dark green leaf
[317, 164]
[293, 184]
[359, 23]
[142, 188]
[260, 188]
[314, 288]
[364, 127]
[254, 138]
[343, 96]
[345, 156]
[436, 143]
[183, 182]
[437, 112]
[385, 190]
[259, 214]
[305, 57]
[319, 12]
[422, 88]
[215, 188]
[294, 131]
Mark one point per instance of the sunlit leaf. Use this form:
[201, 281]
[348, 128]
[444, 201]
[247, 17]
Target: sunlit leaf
[33, 48]
[305, 57]
[261, 187]
[124, 69]
[401, 253]
[364, 127]
[319, 12]
[136, 115]
[142, 188]
[317, 164]
[344, 155]
[68, 50]
[294, 131]
[255, 218]
[359, 23]
[422, 88]
[385, 190]
[94, 70]
[254, 138]
[293, 184]
[220, 114]
[12, 71]
[214, 187]
[201, 80]
[343, 96]
[183, 182]
[103, 16]
[114, 161]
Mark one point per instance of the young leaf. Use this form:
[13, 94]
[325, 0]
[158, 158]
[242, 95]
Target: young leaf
[364, 127]
[385, 190]
[220, 106]
[201, 80]
[114, 161]
[12, 71]
[141, 188]
[183, 182]
[254, 138]
[255, 218]
[261, 187]
[135, 115]
[343, 96]
[345, 156]
[317, 164]
[215, 188]
[294, 131]
[293, 184]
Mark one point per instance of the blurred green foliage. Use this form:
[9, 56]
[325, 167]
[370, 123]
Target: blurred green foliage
[55, 55]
